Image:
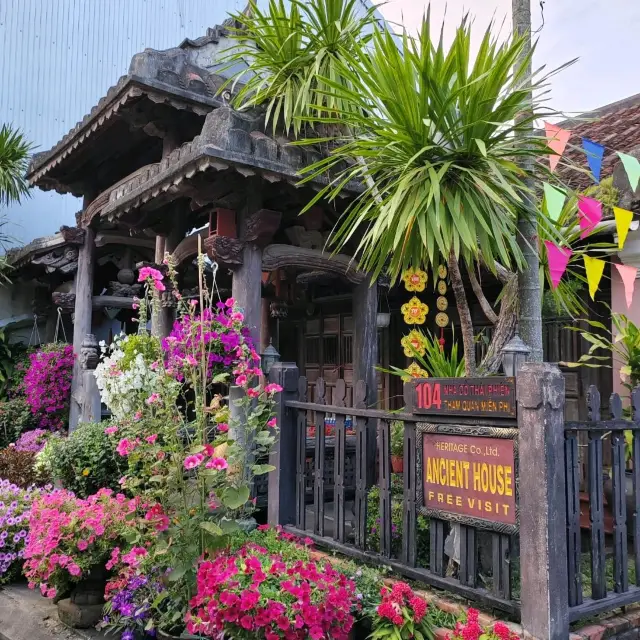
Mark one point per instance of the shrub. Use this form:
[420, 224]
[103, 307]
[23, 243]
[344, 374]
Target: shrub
[18, 467]
[86, 460]
[69, 537]
[402, 615]
[34, 441]
[15, 417]
[470, 629]
[252, 594]
[15, 504]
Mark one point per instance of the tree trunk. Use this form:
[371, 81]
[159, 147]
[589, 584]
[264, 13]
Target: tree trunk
[466, 325]
[528, 280]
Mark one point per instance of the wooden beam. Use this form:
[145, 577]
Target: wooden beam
[106, 237]
[66, 302]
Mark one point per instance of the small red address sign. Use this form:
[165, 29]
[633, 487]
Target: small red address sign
[477, 397]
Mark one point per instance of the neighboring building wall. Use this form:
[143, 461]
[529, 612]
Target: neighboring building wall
[59, 57]
[16, 311]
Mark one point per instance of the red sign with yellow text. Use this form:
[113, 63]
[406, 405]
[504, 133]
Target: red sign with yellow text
[469, 476]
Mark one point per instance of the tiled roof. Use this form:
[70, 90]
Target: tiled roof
[616, 126]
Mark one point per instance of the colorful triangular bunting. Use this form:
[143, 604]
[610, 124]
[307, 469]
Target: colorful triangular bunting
[623, 224]
[628, 276]
[594, 268]
[589, 214]
[554, 199]
[557, 139]
[632, 167]
[558, 261]
[595, 153]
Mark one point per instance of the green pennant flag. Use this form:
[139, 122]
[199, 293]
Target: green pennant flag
[554, 199]
[632, 167]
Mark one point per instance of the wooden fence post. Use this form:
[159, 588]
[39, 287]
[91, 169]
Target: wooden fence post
[542, 485]
[282, 480]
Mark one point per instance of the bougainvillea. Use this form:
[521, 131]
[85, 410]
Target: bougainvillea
[33, 440]
[471, 630]
[252, 594]
[15, 504]
[47, 384]
[68, 537]
[402, 614]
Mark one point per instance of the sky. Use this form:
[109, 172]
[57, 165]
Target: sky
[603, 34]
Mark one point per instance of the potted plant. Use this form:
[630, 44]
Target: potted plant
[402, 615]
[397, 446]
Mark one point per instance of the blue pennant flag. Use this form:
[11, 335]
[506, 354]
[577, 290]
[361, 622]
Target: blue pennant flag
[594, 152]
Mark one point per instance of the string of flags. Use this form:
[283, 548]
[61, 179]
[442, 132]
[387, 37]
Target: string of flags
[589, 213]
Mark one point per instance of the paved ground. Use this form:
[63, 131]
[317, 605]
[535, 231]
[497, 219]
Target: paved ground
[26, 615]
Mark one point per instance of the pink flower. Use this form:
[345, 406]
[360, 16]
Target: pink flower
[149, 272]
[154, 398]
[191, 462]
[219, 464]
[193, 303]
[125, 446]
[137, 415]
[135, 306]
[191, 360]
[241, 380]
[253, 392]
[223, 427]
[111, 430]
[159, 285]
[273, 388]
[237, 316]
[273, 423]
[152, 438]
[82, 545]
[230, 302]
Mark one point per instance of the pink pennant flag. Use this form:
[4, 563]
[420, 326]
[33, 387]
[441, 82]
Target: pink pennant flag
[558, 261]
[589, 214]
[557, 139]
[628, 276]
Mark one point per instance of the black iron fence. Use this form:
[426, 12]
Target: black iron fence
[607, 508]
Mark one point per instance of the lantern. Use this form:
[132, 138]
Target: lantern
[269, 358]
[514, 355]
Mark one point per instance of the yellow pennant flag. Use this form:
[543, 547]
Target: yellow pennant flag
[623, 223]
[594, 268]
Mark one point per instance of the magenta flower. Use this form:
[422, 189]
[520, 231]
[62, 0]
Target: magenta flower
[111, 430]
[241, 380]
[149, 272]
[273, 423]
[223, 427]
[83, 545]
[191, 462]
[273, 388]
[154, 398]
[152, 438]
[219, 464]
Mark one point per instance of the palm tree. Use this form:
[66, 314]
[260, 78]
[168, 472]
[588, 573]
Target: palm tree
[432, 136]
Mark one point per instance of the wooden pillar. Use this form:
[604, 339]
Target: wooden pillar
[543, 515]
[365, 356]
[82, 316]
[265, 329]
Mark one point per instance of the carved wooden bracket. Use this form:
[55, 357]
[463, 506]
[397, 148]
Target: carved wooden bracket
[279, 256]
[72, 235]
[188, 247]
[227, 252]
[261, 227]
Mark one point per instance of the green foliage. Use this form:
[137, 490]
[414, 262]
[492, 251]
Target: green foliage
[435, 147]
[143, 343]
[18, 467]
[14, 160]
[373, 524]
[86, 460]
[397, 438]
[297, 50]
[15, 417]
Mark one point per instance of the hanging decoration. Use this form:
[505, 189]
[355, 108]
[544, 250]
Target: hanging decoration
[442, 319]
[558, 261]
[414, 343]
[628, 276]
[414, 370]
[594, 268]
[554, 200]
[632, 167]
[589, 214]
[442, 303]
[414, 279]
[414, 311]
[557, 139]
[595, 153]
[443, 272]
[442, 287]
[623, 224]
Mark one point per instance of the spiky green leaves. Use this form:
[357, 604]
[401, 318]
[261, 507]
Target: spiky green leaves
[14, 156]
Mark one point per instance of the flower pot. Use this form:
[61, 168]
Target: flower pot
[397, 464]
[83, 608]
[163, 635]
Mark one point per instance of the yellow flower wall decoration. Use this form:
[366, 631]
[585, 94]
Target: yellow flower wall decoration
[414, 311]
[414, 342]
[414, 279]
[414, 371]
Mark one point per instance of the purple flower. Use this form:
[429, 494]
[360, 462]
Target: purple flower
[127, 635]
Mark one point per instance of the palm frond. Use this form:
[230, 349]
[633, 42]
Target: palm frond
[14, 158]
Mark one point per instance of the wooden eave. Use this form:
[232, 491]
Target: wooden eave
[128, 90]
